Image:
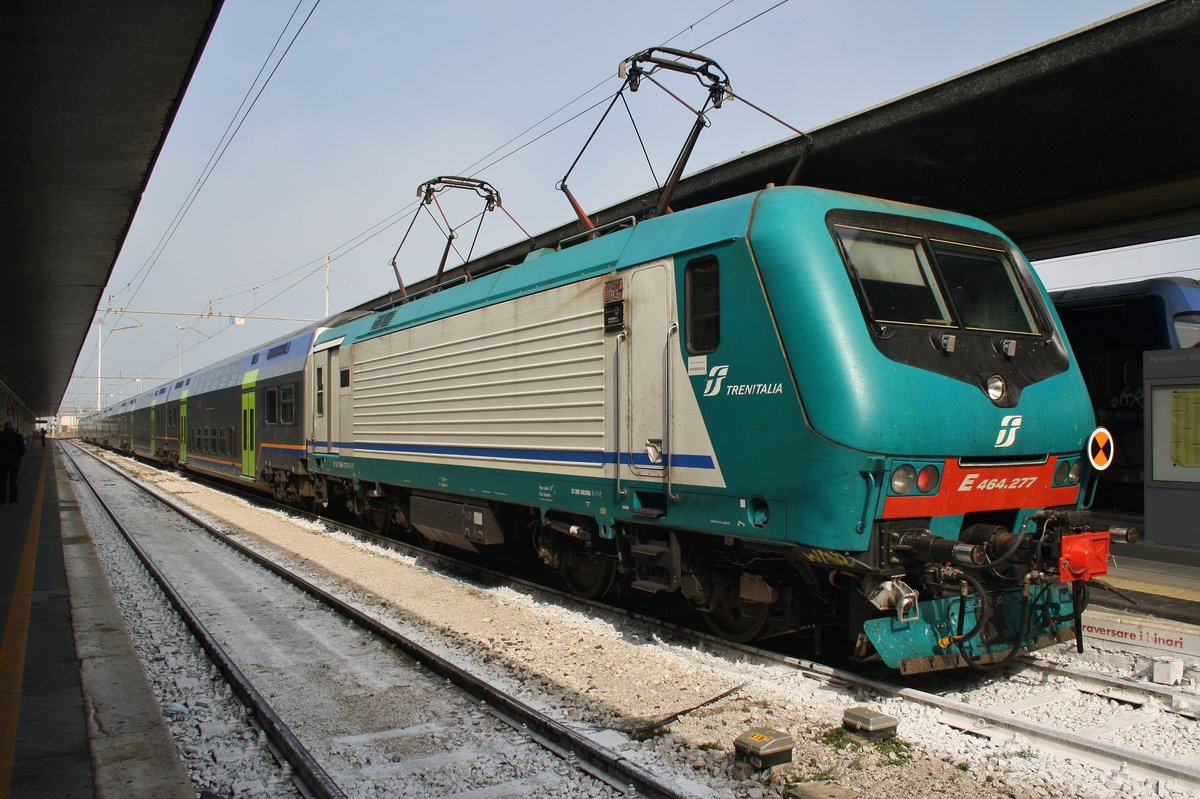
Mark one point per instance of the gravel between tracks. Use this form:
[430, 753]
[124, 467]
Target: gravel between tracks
[619, 675]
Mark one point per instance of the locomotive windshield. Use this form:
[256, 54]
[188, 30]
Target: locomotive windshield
[919, 280]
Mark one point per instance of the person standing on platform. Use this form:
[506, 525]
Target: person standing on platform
[12, 449]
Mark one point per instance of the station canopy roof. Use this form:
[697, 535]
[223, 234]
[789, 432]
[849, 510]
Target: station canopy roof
[89, 91]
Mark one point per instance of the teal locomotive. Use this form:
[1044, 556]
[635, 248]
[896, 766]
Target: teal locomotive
[800, 410]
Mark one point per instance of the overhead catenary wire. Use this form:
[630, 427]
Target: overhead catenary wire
[213, 158]
[218, 152]
[475, 168]
[1131, 248]
[358, 240]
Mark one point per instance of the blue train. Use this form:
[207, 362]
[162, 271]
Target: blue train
[802, 411]
[1109, 328]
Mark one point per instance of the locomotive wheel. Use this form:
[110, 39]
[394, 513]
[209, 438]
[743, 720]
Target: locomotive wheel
[588, 578]
[730, 623]
[377, 520]
[426, 541]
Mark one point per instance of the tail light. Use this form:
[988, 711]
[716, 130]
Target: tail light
[927, 480]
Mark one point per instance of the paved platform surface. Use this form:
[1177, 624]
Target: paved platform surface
[1164, 589]
[77, 717]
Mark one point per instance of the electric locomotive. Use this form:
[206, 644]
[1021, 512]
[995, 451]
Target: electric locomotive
[798, 409]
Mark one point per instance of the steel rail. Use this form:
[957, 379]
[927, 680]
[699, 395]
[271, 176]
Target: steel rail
[599, 761]
[1171, 700]
[316, 780]
[1144, 764]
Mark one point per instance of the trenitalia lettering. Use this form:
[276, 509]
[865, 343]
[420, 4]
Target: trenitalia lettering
[716, 381]
[755, 388]
[998, 484]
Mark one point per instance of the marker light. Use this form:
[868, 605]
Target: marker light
[927, 480]
[996, 388]
[903, 479]
[1062, 472]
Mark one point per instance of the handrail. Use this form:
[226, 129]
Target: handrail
[617, 410]
[668, 417]
[630, 221]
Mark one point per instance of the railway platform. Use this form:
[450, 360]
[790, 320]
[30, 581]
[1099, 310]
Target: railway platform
[1156, 604]
[77, 716]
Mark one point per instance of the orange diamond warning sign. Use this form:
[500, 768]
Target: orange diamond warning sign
[1100, 449]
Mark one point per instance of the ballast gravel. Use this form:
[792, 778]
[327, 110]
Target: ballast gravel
[667, 704]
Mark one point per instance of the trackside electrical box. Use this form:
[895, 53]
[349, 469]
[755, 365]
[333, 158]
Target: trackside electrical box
[764, 748]
[868, 723]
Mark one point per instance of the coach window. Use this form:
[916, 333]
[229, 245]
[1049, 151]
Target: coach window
[320, 378]
[287, 404]
[270, 406]
[1187, 329]
[702, 293]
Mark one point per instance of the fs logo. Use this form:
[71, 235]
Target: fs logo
[716, 377]
[1009, 426]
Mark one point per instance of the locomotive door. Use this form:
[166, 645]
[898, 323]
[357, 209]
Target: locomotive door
[345, 403]
[328, 404]
[647, 441]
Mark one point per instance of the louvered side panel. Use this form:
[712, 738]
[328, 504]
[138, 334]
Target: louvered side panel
[522, 382]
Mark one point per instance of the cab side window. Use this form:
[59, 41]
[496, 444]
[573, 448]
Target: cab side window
[702, 293]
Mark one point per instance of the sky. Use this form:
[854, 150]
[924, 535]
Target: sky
[375, 97]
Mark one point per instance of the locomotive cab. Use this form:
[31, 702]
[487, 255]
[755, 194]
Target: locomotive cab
[950, 380]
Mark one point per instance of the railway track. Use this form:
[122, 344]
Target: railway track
[1114, 715]
[439, 714]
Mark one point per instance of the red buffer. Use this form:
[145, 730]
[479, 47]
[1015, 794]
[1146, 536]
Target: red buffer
[1084, 556]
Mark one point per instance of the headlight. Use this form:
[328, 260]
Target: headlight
[1062, 473]
[996, 388]
[1076, 472]
[903, 479]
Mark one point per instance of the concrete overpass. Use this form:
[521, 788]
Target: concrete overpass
[1082, 143]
